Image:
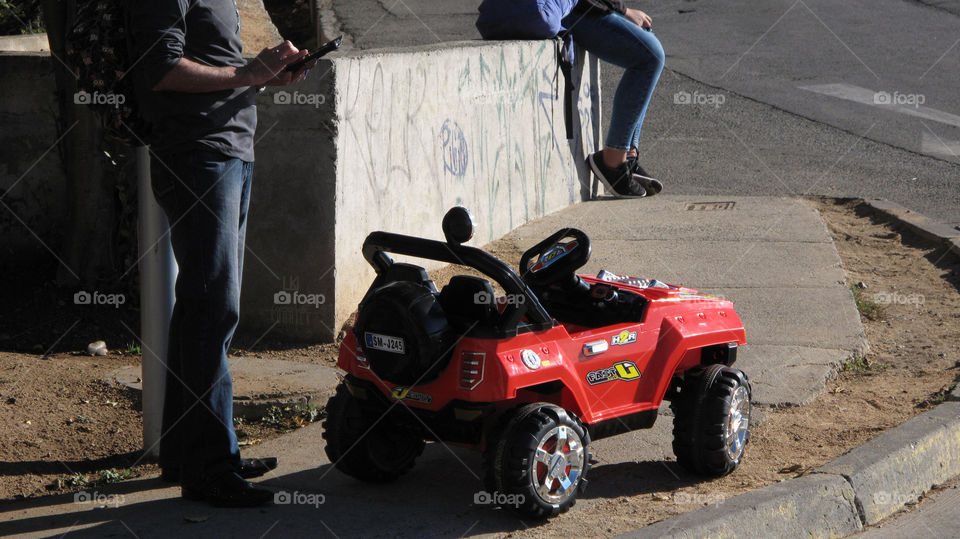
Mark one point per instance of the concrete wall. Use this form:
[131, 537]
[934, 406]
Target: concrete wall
[25, 43]
[401, 136]
[373, 140]
[32, 182]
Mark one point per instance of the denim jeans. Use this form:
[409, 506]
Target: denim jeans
[205, 196]
[614, 38]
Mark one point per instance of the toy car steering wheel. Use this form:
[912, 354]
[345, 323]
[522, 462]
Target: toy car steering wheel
[553, 260]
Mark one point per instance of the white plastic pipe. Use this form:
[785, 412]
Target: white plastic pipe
[158, 273]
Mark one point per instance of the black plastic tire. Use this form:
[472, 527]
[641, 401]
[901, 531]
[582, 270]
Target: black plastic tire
[379, 454]
[702, 440]
[514, 475]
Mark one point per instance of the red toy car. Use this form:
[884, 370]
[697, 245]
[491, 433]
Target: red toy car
[530, 378]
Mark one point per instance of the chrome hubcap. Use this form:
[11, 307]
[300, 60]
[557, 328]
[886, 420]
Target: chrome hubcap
[557, 464]
[738, 423]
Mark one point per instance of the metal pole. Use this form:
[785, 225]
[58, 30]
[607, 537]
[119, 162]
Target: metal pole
[158, 273]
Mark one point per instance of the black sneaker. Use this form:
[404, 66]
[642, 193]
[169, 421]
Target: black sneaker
[649, 183]
[620, 180]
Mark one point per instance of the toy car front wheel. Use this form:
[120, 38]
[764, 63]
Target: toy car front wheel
[539, 463]
[711, 424]
[362, 444]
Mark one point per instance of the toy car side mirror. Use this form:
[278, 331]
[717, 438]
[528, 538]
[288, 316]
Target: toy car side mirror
[458, 225]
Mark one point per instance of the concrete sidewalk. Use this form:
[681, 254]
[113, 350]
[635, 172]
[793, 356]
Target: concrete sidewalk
[772, 256]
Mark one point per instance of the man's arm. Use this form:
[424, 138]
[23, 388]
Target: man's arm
[269, 67]
[159, 32]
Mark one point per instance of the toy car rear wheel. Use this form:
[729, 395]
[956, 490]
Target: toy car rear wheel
[540, 460]
[362, 445]
[711, 424]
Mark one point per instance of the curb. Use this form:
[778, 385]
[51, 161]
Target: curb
[328, 26]
[859, 488]
[855, 490]
[917, 223]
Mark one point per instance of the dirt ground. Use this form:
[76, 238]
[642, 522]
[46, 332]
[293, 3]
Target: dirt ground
[64, 426]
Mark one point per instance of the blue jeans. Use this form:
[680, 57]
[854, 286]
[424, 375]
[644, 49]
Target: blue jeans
[614, 38]
[205, 196]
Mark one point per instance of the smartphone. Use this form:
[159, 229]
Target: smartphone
[329, 46]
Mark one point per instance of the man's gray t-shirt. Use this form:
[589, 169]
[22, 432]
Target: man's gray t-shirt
[207, 32]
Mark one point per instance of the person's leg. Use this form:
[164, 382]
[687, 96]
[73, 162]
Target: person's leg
[205, 223]
[615, 39]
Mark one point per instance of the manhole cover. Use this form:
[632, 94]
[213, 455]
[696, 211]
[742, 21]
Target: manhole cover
[710, 206]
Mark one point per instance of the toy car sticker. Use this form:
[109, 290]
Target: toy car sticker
[404, 393]
[624, 337]
[376, 341]
[595, 347]
[624, 370]
[530, 359]
[555, 253]
[690, 295]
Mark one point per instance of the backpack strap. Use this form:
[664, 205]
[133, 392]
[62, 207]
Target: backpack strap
[564, 43]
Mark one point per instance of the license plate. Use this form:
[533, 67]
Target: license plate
[386, 343]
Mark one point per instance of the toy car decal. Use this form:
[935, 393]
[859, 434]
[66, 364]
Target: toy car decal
[555, 253]
[530, 359]
[595, 347]
[624, 370]
[404, 393]
[624, 337]
[386, 343]
[690, 295]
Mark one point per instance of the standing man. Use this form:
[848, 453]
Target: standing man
[197, 92]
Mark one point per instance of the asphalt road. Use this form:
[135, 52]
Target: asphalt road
[802, 83]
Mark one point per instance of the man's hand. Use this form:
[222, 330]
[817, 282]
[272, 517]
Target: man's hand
[639, 18]
[269, 67]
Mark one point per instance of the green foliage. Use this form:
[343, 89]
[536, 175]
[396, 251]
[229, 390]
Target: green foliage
[858, 364]
[867, 307]
[115, 476]
[20, 17]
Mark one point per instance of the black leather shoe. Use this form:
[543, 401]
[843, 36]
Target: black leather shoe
[228, 490]
[248, 469]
